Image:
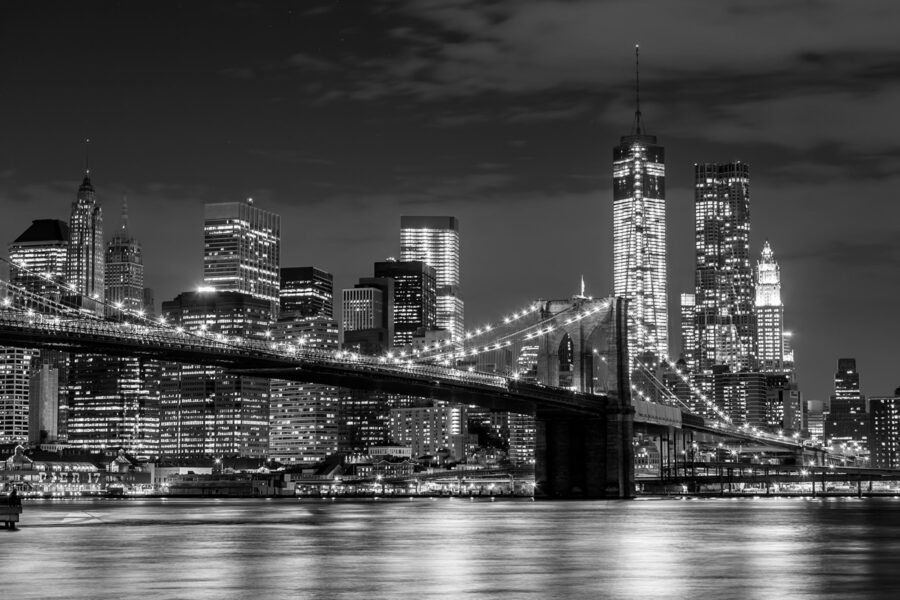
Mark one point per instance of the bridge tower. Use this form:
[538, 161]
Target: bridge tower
[581, 456]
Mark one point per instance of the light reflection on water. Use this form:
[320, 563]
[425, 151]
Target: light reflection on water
[451, 548]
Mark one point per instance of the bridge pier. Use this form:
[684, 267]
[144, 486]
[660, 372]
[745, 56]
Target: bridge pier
[584, 457]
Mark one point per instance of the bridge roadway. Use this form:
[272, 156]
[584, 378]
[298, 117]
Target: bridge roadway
[284, 361]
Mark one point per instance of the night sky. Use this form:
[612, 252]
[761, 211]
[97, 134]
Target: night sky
[343, 116]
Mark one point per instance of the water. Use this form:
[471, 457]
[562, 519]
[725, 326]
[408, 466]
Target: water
[454, 548]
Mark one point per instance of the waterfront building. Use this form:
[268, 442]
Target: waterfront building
[414, 298]
[203, 411]
[242, 251]
[435, 241]
[307, 292]
[724, 311]
[303, 417]
[884, 431]
[769, 314]
[639, 236]
[430, 429]
[846, 423]
[85, 263]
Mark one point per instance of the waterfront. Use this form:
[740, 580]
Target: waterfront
[451, 548]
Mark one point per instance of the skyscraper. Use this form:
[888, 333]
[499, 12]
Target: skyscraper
[303, 417]
[639, 237]
[307, 291]
[884, 431]
[203, 411]
[38, 253]
[846, 422]
[688, 332]
[242, 250]
[124, 271]
[769, 313]
[725, 325]
[414, 297]
[114, 400]
[435, 241]
[85, 255]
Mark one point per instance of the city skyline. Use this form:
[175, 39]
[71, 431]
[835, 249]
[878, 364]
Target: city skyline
[543, 224]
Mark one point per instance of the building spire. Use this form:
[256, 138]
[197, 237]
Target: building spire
[637, 89]
[125, 214]
[87, 161]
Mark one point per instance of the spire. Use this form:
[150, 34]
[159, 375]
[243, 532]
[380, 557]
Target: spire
[637, 89]
[87, 158]
[125, 215]
[767, 253]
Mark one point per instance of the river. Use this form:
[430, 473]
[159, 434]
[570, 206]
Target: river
[454, 548]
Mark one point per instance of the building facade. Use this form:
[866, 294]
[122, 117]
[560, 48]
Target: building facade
[203, 411]
[429, 429]
[85, 264]
[846, 423]
[124, 277]
[769, 314]
[724, 312]
[435, 241]
[242, 251]
[307, 292]
[415, 302]
[884, 431]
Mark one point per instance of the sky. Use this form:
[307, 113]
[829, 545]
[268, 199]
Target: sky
[343, 116]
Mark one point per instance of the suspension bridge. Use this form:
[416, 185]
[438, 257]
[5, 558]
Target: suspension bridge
[565, 362]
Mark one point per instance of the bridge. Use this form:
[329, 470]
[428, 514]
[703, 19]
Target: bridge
[577, 385]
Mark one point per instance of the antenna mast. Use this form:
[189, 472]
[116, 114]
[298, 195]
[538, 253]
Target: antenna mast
[637, 88]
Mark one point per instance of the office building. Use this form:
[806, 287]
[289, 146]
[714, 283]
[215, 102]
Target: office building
[307, 292]
[85, 256]
[414, 298]
[884, 431]
[242, 251]
[43, 405]
[303, 417]
[846, 424]
[203, 411]
[769, 314]
[688, 332]
[724, 311]
[368, 316]
[639, 237]
[435, 241]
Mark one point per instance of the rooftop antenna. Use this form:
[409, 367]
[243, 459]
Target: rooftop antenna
[87, 162]
[637, 88]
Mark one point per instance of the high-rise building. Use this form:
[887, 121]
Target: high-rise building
[639, 237]
[307, 292]
[113, 401]
[815, 419]
[884, 431]
[124, 271]
[85, 255]
[769, 314]
[43, 405]
[203, 411]
[846, 423]
[40, 254]
[303, 417]
[242, 250]
[725, 326]
[362, 308]
[688, 332]
[435, 241]
[368, 316]
[414, 298]
[38, 259]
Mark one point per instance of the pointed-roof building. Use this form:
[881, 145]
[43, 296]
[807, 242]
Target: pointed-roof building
[769, 313]
[85, 257]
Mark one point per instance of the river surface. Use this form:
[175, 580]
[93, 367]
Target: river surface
[454, 548]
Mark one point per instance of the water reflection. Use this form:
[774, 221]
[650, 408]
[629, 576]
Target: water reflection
[450, 548]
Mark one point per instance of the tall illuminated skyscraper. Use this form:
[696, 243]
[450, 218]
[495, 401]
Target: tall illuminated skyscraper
[769, 314]
[242, 250]
[307, 291]
[85, 256]
[435, 241]
[414, 297]
[847, 419]
[639, 237]
[725, 319]
[688, 332]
